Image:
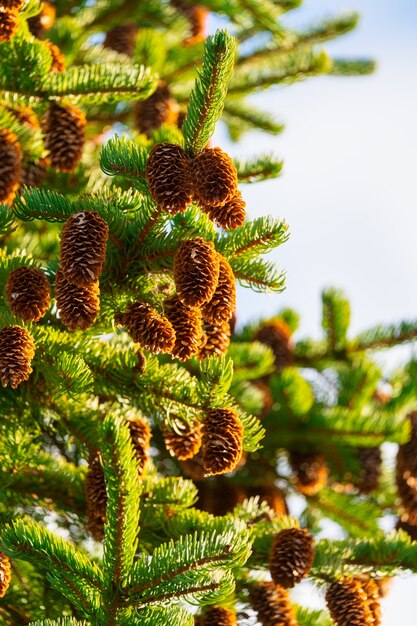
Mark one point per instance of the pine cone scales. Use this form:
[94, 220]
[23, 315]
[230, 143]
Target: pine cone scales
[220, 616]
[272, 604]
[214, 177]
[196, 271]
[122, 39]
[291, 556]
[64, 132]
[182, 440]
[373, 595]
[17, 350]
[222, 441]
[34, 173]
[140, 434]
[348, 604]
[8, 24]
[5, 574]
[10, 5]
[223, 303]
[83, 248]
[371, 468]
[58, 59]
[277, 335]
[187, 324]
[78, 306]
[10, 164]
[160, 108]
[230, 215]
[96, 497]
[169, 178]
[152, 331]
[216, 340]
[310, 470]
[28, 293]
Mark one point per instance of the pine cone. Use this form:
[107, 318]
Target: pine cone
[186, 322]
[26, 115]
[222, 441]
[10, 165]
[194, 468]
[28, 293]
[197, 16]
[371, 468]
[373, 595]
[5, 574]
[406, 484]
[223, 303]
[152, 331]
[310, 470]
[182, 440]
[404, 524]
[219, 616]
[214, 177]
[291, 556]
[44, 21]
[34, 172]
[272, 604]
[277, 335]
[218, 496]
[140, 366]
[78, 306]
[96, 497]
[160, 108]
[11, 5]
[17, 350]
[216, 340]
[196, 271]
[348, 604]
[122, 39]
[409, 450]
[169, 178]
[83, 247]
[271, 495]
[140, 434]
[8, 24]
[58, 59]
[64, 132]
[229, 215]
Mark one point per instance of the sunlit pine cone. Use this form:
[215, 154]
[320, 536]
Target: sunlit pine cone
[214, 177]
[384, 586]
[182, 440]
[11, 5]
[17, 350]
[230, 215]
[10, 165]
[194, 468]
[5, 574]
[34, 172]
[64, 132]
[277, 335]
[291, 556]
[169, 178]
[197, 16]
[58, 59]
[96, 497]
[196, 271]
[188, 327]
[218, 496]
[78, 306]
[122, 39]
[348, 604]
[222, 441]
[43, 21]
[272, 604]
[140, 434]
[216, 340]
[9, 24]
[28, 293]
[219, 616]
[223, 302]
[160, 108]
[83, 247]
[26, 115]
[311, 472]
[148, 328]
[271, 495]
[371, 468]
[373, 595]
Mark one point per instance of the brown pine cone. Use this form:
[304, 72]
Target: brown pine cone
[5, 574]
[196, 271]
[404, 524]
[310, 471]
[140, 434]
[214, 177]
[9, 24]
[169, 179]
[140, 366]
[406, 485]
[58, 59]
[216, 340]
[122, 39]
[78, 306]
[197, 16]
[34, 172]
[230, 215]
[26, 115]
[272, 604]
[409, 450]
[219, 616]
[194, 468]
[96, 497]
[160, 108]
[10, 165]
[373, 595]
[44, 21]
[83, 247]
[277, 335]
[223, 302]
[64, 132]
[187, 324]
[348, 604]
[222, 441]
[218, 496]
[291, 556]
[28, 293]
[182, 440]
[271, 495]
[11, 5]
[148, 328]
[17, 350]
[371, 468]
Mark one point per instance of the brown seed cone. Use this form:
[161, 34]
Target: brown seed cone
[216, 340]
[223, 303]
[214, 177]
[277, 335]
[58, 59]
[140, 434]
[148, 328]
[272, 496]
[196, 271]
[410, 529]
[26, 115]
[5, 574]
[10, 165]
[160, 108]
[83, 247]
[194, 468]
[291, 556]
[28, 293]
[197, 16]
[311, 472]
[229, 215]
[371, 469]
[182, 440]
[169, 179]
[406, 485]
[222, 441]
[408, 451]
[44, 21]
[348, 604]
[122, 39]
[8, 24]
[218, 496]
[17, 350]
[11, 5]
[78, 306]
[272, 604]
[373, 595]
[140, 366]
[384, 585]
[34, 172]
[187, 324]
[64, 132]
[96, 497]
[219, 616]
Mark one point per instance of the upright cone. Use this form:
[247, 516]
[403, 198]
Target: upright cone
[222, 441]
[28, 293]
[17, 350]
[291, 556]
[64, 132]
[196, 271]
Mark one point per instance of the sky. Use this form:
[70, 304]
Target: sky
[349, 188]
